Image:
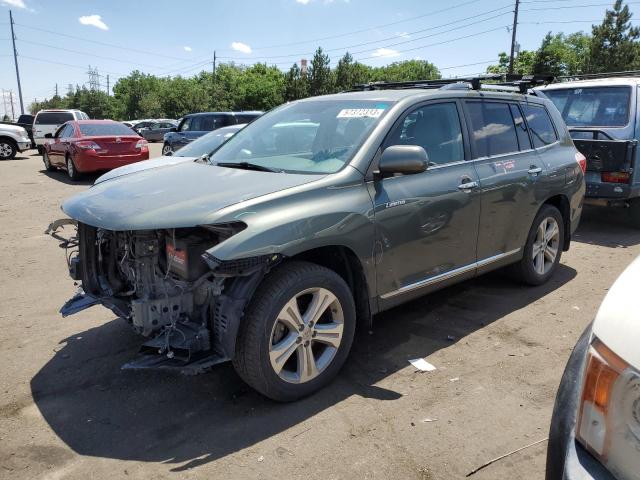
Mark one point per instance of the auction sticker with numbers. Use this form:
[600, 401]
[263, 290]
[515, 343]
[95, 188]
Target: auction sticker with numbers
[360, 112]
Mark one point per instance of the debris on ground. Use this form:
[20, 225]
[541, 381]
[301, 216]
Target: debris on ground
[422, 365]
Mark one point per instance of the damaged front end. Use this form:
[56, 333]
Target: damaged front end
[167, 286]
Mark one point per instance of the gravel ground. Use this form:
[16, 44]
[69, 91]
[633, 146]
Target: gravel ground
[68, 411]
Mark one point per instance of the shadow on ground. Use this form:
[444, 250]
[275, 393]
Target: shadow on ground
[61, 176]
[607, 227]
[101, 411]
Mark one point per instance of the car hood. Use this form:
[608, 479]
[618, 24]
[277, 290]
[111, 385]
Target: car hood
[144, 165]
[617, 323]
[13, 128]
[174, 196]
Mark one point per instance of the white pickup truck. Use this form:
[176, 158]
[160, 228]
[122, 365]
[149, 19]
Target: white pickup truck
[13, 139]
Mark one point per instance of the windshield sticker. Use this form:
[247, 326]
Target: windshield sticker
[360, 112]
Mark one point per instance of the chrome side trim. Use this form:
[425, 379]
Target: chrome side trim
[447, 275]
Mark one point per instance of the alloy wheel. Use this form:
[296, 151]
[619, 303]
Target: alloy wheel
[70, 168]
[5, 150]
[166, 149]
[306, 335]
[545, 246]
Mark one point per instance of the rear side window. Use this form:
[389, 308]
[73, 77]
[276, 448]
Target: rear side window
[105, 129]
[521, 128]
[245, 118]
[540, 125]
[436, 128]
[53, 118]
[493, 129]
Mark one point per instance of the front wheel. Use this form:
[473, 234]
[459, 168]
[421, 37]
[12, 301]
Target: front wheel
[8, 150]
[543, 249]
[297, 331]
[166, 149]
[47, 162]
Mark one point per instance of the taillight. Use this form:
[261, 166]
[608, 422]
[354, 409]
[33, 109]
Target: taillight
[582, 161]
[88, 145]
[142, 145]
[615, 177]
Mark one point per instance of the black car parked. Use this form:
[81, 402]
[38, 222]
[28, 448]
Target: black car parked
[195, 125]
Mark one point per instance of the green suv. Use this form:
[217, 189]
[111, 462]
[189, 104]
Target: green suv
[321, 213]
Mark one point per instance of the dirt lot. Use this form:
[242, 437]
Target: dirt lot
[68, 411]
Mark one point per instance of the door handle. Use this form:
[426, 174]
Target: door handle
[533, 170]
[467, 186]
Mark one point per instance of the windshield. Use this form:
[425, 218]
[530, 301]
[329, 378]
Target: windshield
[316, 136]
[592, 106]
[105, 129]
[208, 143]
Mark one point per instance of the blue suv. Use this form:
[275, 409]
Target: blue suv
[195, 125]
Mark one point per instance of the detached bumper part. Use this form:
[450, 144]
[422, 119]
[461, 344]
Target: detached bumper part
[80, 301]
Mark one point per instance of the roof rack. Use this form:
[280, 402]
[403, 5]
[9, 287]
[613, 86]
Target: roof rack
[501, 82]
[592, 76]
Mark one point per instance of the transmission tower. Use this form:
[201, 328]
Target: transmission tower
[94, 78]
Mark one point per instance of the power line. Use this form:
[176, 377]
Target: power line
[99, 43]
[83, 67]
[572, 6]
[354, 32]
[113, 59]
[345, 48]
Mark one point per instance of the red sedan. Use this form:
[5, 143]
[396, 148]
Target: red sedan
[92, 145]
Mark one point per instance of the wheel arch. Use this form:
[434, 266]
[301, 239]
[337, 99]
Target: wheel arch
[9, 139]
[561, 202]
[228, 311]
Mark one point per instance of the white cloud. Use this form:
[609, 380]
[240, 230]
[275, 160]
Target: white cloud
[241, 47]
[326, 2]
[303, 2]
[187, 49]
[94, 21]
[403, 34]
[385, 52]
[14, 3]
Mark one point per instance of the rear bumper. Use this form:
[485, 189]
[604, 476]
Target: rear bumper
[95, 163]
[609, 192]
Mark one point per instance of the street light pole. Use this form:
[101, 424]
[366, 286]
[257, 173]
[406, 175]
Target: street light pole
[15, 59]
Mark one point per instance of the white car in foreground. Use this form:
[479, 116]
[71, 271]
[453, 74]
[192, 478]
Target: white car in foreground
[595, 428]
[13, 139]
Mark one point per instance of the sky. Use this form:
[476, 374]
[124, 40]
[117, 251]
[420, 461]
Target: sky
[57, 40]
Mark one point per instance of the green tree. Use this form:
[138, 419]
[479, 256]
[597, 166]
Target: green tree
[522, 65]
[260, 88]
[406, 71]
[614, 45]
[320, 76]
[349, 73]
[295, 84]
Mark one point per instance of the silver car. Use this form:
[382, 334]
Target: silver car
[156, 131]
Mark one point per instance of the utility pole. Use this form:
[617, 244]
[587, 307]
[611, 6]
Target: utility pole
[513, 36]
[108, 90]
[56, 89]
[13, 112]
[15, 59]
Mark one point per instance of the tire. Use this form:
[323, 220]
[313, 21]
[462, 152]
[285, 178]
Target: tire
[267, 328]
[633, 213]
[72, 171]
[166, 148]
[47, 164]
[8, 149]
[537, 269]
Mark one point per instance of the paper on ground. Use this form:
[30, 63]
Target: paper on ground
[422, 364]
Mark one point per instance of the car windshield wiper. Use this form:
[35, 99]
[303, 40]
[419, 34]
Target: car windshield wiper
[247, 166]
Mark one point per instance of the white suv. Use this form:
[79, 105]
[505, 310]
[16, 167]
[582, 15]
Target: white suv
[48, 121]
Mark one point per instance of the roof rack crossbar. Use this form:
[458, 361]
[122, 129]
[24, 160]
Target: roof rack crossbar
[511, 83]
[587, 76]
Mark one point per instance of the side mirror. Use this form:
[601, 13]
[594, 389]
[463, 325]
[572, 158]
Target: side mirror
[403, 159]
[48, 135]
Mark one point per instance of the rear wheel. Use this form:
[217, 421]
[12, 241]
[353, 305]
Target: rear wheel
[634, 212]
[297, 331]
[167, 149]
[8, 149]
[47, 163]
[72, 171]
[543, 248]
